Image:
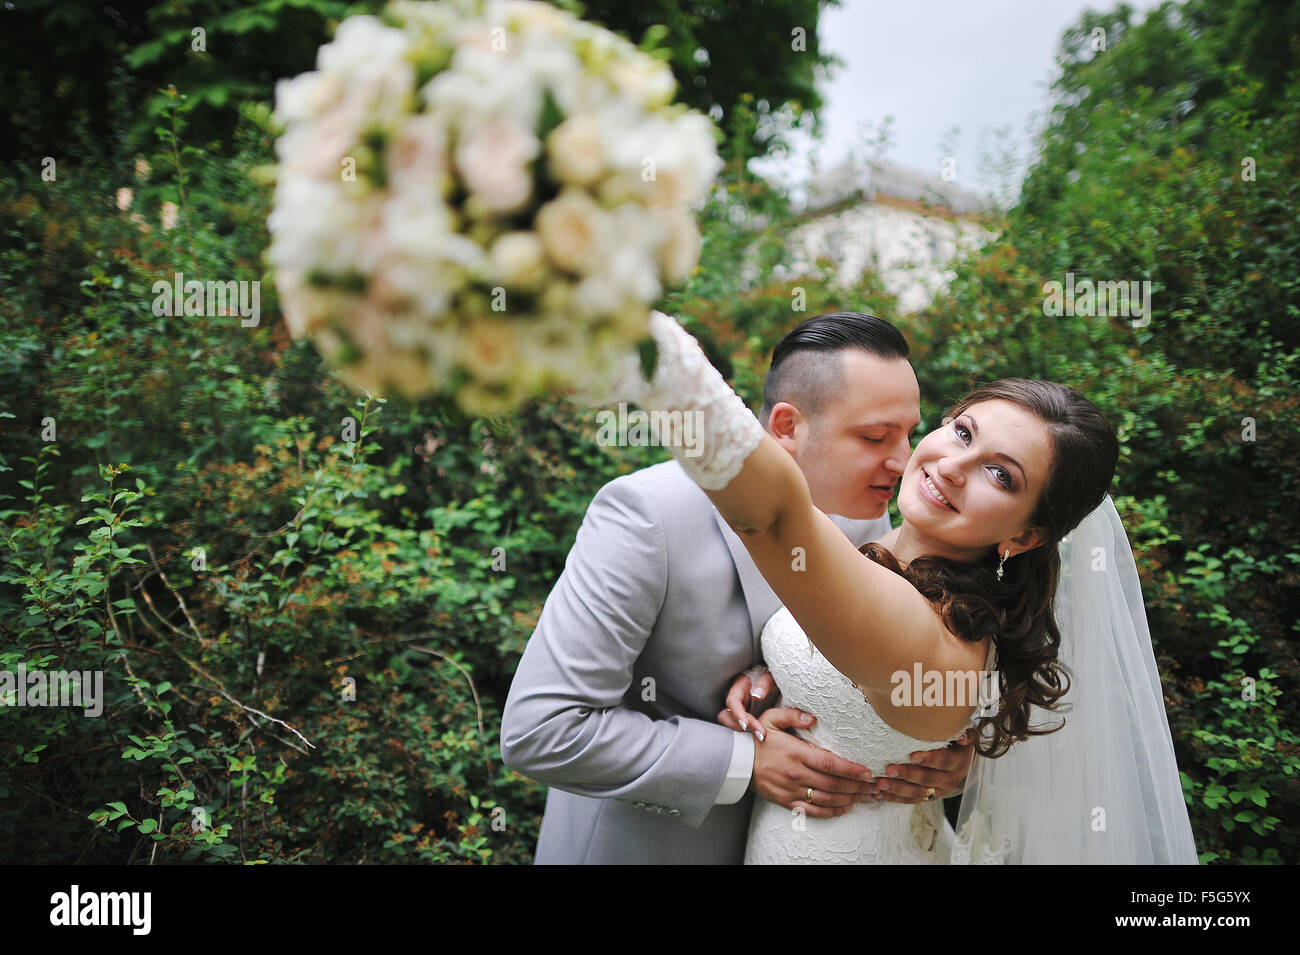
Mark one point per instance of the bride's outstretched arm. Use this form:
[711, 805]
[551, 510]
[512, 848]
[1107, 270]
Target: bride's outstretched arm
[867, 621]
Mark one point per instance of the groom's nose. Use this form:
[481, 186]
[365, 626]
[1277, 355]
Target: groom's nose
[896, 459]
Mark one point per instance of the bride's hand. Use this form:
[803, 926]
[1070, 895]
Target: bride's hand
[749, 695]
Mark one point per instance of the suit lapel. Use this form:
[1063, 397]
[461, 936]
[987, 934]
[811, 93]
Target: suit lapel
[761, 600]
[759, 596]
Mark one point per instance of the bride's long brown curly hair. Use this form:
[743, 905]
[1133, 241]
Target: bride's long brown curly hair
[1017, 611]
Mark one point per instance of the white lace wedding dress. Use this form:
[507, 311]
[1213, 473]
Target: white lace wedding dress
[872, 832]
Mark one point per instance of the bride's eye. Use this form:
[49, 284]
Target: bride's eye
[1002, 476]
[962, 432]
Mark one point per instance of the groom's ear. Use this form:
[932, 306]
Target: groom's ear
[781, 425]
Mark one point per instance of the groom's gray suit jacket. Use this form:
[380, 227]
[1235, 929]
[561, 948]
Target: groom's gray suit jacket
[616, 696]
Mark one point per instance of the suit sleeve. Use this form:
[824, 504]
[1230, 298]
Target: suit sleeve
[564, 722]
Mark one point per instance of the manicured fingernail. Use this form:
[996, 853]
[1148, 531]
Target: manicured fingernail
[758, 693]
[758, 731]
[867, 775]
[806, 717]
[915, 757]
[892, 771]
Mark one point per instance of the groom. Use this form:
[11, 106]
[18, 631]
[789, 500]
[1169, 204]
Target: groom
[660, 607]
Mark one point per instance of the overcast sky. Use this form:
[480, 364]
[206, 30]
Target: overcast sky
[981, 65]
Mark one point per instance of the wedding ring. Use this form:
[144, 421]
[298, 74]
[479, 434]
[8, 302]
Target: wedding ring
[810, 794]
[929, 792]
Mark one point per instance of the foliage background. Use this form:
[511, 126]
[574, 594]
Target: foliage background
[198, 510]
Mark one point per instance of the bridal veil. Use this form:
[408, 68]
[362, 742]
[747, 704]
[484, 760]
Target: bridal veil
[1104, 789]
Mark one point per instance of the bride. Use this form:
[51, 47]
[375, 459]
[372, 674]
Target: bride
[888, 645]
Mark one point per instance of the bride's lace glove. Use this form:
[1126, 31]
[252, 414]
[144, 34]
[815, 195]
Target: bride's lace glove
[691, 408]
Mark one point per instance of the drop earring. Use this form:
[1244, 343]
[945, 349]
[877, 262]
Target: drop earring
[1003, 561]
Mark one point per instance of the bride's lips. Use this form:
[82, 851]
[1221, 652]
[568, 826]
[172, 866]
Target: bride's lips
[923, 482]
[882, 492]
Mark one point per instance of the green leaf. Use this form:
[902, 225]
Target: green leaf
[649, 354]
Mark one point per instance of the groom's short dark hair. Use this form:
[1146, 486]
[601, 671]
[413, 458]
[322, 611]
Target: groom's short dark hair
[807, 365]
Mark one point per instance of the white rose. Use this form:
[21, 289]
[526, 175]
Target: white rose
[313, 225]
[668, 190]
[556, 68]
[646, 80]
[451, 95]
[499, 87]
[385, 97]
[308, 310]
[679, 255]
[528, 16]
[555, 347]
[517, 261]
[124, 197]
[698, 151]
[636, 273]
[599, 294]
[417, 157]
[576, 150]
[574, 231]
[362, 47]
[493, 164]
[316, 150]
[415, 225]
[398, 284]
[306, 96]
[621, 188]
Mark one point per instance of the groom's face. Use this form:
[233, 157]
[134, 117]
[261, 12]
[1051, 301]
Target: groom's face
[855, 447]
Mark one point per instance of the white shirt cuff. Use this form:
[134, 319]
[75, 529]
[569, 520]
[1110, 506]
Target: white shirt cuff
[739, 772]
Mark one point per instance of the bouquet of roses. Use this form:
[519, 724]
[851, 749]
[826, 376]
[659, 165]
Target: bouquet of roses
[482, 199]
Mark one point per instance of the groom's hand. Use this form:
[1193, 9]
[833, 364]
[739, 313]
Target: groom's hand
[785, 768]
[943, 770]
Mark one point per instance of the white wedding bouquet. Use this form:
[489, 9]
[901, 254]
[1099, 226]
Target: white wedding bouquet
[482, 199]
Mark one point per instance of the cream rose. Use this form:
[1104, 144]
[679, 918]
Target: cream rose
[517, 261]
[493, 163]
[488, 348]
[574, 231]
[576, 150]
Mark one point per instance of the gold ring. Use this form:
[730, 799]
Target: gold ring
[929, 793]
[810, 794]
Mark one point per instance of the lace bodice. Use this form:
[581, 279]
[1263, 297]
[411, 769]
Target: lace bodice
[873, 832]
[847, 724]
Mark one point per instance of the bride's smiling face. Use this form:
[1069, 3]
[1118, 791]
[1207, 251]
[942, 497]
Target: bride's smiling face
[974, 483]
